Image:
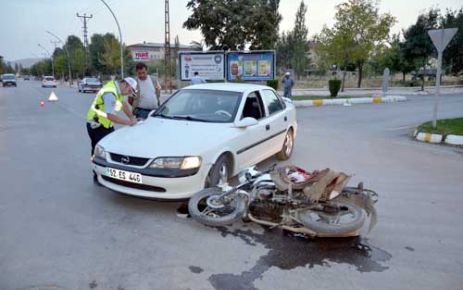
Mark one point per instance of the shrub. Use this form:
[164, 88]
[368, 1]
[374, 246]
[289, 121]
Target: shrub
[334, 86]
[273, 84]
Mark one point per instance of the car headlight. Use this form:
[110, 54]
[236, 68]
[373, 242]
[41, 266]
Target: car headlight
[99, 152]
[184, 163]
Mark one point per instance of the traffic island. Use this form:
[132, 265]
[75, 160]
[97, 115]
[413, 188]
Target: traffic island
[448, 131]
[310, 101]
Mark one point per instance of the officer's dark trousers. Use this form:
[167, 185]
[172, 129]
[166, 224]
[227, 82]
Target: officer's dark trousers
[97, 134]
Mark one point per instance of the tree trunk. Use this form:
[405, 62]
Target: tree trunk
[343, 79]
[359, 83]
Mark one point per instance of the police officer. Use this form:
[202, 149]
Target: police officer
[103, 112]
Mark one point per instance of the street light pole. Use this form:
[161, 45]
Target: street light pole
[51, 58]
[120, 38]
[67, 54]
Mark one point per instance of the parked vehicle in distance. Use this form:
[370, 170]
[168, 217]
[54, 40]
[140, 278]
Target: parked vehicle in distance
[9, 80]
[89, 84]
[48, 82]
[220, 129]
[27, 78]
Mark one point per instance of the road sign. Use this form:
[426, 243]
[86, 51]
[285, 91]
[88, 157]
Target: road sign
[440, 38]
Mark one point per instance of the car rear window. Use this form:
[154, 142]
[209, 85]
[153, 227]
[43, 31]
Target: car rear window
[8, 77]
[49, 79]
[92, 80]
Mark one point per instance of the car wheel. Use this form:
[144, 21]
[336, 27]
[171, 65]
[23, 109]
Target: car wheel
[220, 172]
[288, 146]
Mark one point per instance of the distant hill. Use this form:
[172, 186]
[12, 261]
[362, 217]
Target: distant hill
[26, 62]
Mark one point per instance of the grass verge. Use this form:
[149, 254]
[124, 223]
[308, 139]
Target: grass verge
[444, 127]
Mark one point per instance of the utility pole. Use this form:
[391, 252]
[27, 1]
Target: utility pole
[167, 55]
[85, 17]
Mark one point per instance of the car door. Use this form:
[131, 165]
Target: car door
[250, 143]
[277, 119]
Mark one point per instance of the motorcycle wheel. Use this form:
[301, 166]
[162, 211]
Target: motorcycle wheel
[336, 218]
[218, 215]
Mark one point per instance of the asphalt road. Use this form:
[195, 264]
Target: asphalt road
[59, 231]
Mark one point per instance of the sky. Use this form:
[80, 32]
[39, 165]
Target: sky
[23, 23]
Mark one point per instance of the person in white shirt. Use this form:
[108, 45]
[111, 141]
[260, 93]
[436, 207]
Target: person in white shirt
[196, 79]
[148, 93]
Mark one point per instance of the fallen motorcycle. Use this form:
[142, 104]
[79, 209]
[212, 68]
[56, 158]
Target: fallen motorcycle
[317, 204]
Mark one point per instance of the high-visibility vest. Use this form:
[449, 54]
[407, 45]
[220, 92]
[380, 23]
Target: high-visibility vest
[97, 110]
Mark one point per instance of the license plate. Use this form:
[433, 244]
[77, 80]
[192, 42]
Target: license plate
[123, 175]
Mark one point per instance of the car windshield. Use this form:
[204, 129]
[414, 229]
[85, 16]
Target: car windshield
[92, 80]
[8, 77]
[49, 78]
[201, 105]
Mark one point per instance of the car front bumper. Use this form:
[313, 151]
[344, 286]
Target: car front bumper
[166, 188]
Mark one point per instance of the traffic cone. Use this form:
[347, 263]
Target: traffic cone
[53, 97]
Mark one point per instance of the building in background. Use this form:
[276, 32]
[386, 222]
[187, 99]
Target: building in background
[152, 51]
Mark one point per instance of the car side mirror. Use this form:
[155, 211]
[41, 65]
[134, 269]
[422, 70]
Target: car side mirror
[246, 122]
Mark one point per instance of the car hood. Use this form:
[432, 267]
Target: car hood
[164, 137]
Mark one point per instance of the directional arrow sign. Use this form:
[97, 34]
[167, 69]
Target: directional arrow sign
[441, 37]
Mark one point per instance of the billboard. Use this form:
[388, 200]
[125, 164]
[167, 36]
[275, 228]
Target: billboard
[251, 66]
[209, 65]
[141, 55]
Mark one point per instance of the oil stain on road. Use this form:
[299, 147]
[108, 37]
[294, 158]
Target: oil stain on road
[287, 252]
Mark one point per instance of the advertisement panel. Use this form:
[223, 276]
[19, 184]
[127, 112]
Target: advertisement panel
[251, 66]
[209, 65]
[141, 55]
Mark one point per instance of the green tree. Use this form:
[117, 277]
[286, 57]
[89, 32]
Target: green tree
[453, 55]
[235, 23]
[357, 33]
[264, 32]
[284, 50]
[292, 46]
[110, 57]
[299, 58]
[104, 54]
[60, 61]
[42, 68]
[77, 54]
[393, 58]
[418, 47]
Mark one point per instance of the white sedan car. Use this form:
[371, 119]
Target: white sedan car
[201, 136]
[48, 82]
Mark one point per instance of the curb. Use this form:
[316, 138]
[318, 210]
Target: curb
[438, 138]
[454, 139]
[348, 101]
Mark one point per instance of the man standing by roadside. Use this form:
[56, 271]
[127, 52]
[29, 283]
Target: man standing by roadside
[147, 97]
[196, 79]
[288, 84]
[103, 112]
